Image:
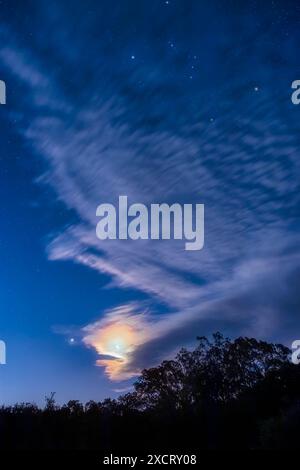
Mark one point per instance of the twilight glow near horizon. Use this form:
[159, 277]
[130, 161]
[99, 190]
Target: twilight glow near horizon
[164, 102]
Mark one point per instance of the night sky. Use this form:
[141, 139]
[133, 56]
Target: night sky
[162, 101]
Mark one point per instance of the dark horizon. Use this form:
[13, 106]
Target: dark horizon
[163, 102]
[226, 394]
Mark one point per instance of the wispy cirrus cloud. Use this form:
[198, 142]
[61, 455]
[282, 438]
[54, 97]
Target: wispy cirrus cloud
[243, 166]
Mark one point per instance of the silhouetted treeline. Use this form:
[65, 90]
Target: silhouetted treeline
[241, 394]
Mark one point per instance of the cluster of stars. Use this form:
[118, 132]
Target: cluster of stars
[192, 69]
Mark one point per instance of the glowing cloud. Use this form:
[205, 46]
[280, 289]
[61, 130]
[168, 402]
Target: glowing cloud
[115, 338]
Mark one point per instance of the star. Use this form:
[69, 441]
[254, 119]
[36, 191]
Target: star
[132, 57]
[256, 88]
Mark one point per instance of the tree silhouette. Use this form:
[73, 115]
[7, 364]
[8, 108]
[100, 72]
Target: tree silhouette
[225, 394]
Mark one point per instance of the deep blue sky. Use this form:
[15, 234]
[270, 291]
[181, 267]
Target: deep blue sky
[177, 101]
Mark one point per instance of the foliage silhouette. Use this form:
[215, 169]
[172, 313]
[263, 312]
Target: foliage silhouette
[226, 394]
